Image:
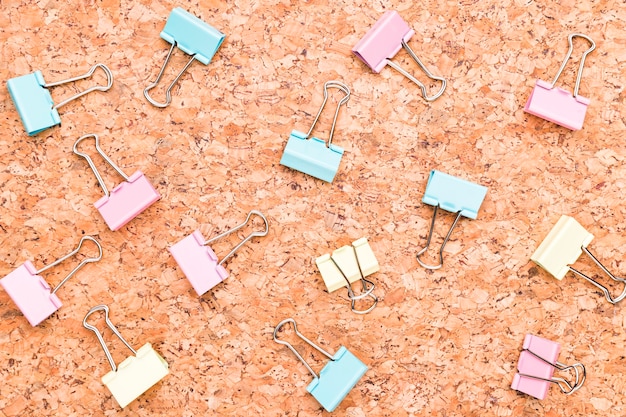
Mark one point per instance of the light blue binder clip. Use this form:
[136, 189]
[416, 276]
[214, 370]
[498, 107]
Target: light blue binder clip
[192, 36]
[454, 195]
[336, 379]
[34, 103]
[312, 156]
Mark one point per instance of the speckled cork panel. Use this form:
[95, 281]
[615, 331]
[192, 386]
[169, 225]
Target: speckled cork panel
[440, 343]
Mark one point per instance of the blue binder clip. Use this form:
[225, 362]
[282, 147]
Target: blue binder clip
[454, 195]
[312, 156]
[34, 103]
[336, 379]
[192, 36]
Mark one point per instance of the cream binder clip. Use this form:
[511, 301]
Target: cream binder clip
[31, 293]
[452, 194]
[192, 36]
[536, 366]
[34, 103]
[137, 373]
[198, 260]
[383, 41]
[336, 379]
[128, 199]
[347, 265]
[564, 244]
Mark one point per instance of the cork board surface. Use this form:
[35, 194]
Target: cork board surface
[441, 343]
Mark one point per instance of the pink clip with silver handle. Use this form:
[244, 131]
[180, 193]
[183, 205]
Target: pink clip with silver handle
[536, 366]
[32, 294]
[198, 260]
[556, 104]
[128, 199]
[383, 41]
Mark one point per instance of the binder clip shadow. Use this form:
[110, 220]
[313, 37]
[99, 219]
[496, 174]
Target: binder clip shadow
[556, 104]
[192, 36]
[128, 199]
[34, 103]
[383, 41]
[452, 194]
[564, 244]
[31, 293]
[198, 260]
[137, 373]
[348, 265]
[313, 156]
[338, 376]
[536, 366]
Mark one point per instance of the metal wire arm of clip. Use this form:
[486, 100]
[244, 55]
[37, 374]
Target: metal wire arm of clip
[301, 336]
[93, 166]
[443, 245]
[88, 74]
[247, 238]
[582, 60]
[367, 291]
[327, 85]
[168, 95]
[563, 384]
[79, 266]
[111, 326]
[597, 284]
[426, 71]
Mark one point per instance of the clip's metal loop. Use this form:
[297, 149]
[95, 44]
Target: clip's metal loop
[563, 384]
[93, 166]
[79, 266]
[246, 239]
[111, 326]
[168, 95]
[424, 69]
[327, 85]
[367, 292]
[301, 336]
[88, 74]
[597, 284]
[582, 60]
[443, 245]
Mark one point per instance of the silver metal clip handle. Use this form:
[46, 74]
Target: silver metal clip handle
[88, 74]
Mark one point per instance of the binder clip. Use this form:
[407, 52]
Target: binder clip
[536, 366]
[347, 265]
[34, 103]
[556, 104]
[313, 156]
[31, 293]
[564, 244]
[454, 195]
[199, 262]
[383, 41]
[128, 199]
[135, 374]
[192, 36]
[336, 379]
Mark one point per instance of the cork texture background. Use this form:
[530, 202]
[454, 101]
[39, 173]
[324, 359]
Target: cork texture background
[440, 343]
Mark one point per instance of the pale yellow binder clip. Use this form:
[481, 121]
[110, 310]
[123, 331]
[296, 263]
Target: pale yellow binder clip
[348, 265]
[136, 374]
[561, 248]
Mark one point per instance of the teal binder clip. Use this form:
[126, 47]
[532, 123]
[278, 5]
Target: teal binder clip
[312, 156]
[336, 379]
[192, 36]
[34, 102]
[452, 194]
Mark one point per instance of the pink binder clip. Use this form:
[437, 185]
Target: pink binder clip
[199, 262]
[31, 293]
[126, 200]
[383, 41]
[558, 105]
[536, 366]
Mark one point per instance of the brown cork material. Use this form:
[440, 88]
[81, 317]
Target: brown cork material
[439, 343]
